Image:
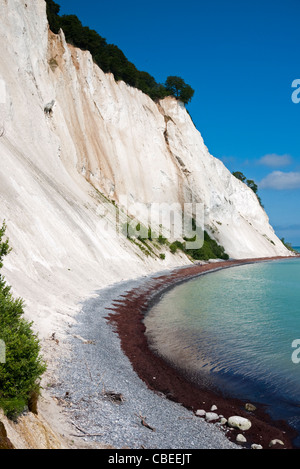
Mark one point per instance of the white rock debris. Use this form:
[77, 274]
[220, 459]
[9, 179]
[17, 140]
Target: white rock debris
[240, 423]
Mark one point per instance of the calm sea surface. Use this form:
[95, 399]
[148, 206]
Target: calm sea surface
[234, 331]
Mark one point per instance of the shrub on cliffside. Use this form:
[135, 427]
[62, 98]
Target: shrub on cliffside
[23, 366]
[209, 250]
[249, 182]
[288, 245]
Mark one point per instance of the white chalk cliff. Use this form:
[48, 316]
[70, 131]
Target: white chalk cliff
[104, 138]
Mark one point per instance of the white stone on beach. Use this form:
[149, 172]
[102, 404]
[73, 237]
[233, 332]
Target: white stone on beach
[276, 442]
[201, 413]
[211, 417]
[214, 408]
[223, 421]
[241, 439]
[250, 407]
[239, 422]
[254, 446]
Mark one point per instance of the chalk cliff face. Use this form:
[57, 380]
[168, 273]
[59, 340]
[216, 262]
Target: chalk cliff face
[104, 140]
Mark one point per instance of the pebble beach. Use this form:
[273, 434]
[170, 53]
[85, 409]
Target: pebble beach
[114, 391]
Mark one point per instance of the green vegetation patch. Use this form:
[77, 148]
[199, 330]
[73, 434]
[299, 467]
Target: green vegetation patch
[23, 366]
[210, 249]
[288, 245]
[249, 182]
[144, 238]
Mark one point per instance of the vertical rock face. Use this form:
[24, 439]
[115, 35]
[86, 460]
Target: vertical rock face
[98, 137]
[5, 443]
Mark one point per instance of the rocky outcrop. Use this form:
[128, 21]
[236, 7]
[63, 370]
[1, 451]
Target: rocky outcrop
[28, 432]
[5, 442]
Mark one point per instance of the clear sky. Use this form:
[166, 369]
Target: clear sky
[241, 57]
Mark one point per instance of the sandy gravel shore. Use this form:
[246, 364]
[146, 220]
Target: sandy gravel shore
[152, 406]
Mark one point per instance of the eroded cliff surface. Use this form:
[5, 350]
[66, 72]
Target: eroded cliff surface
[102, 141]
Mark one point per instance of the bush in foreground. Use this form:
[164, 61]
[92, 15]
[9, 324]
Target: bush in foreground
[23, 368]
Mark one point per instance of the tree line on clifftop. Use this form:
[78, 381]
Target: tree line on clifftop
[112, 60]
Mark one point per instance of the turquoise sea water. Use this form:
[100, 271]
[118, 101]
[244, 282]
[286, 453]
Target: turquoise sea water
[234, 331]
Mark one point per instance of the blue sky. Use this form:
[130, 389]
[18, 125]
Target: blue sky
[241, 57]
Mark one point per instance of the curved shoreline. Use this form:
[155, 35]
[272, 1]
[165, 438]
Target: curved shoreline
[127, 317]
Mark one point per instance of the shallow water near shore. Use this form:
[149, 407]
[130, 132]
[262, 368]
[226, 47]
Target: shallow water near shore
[233, 331]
